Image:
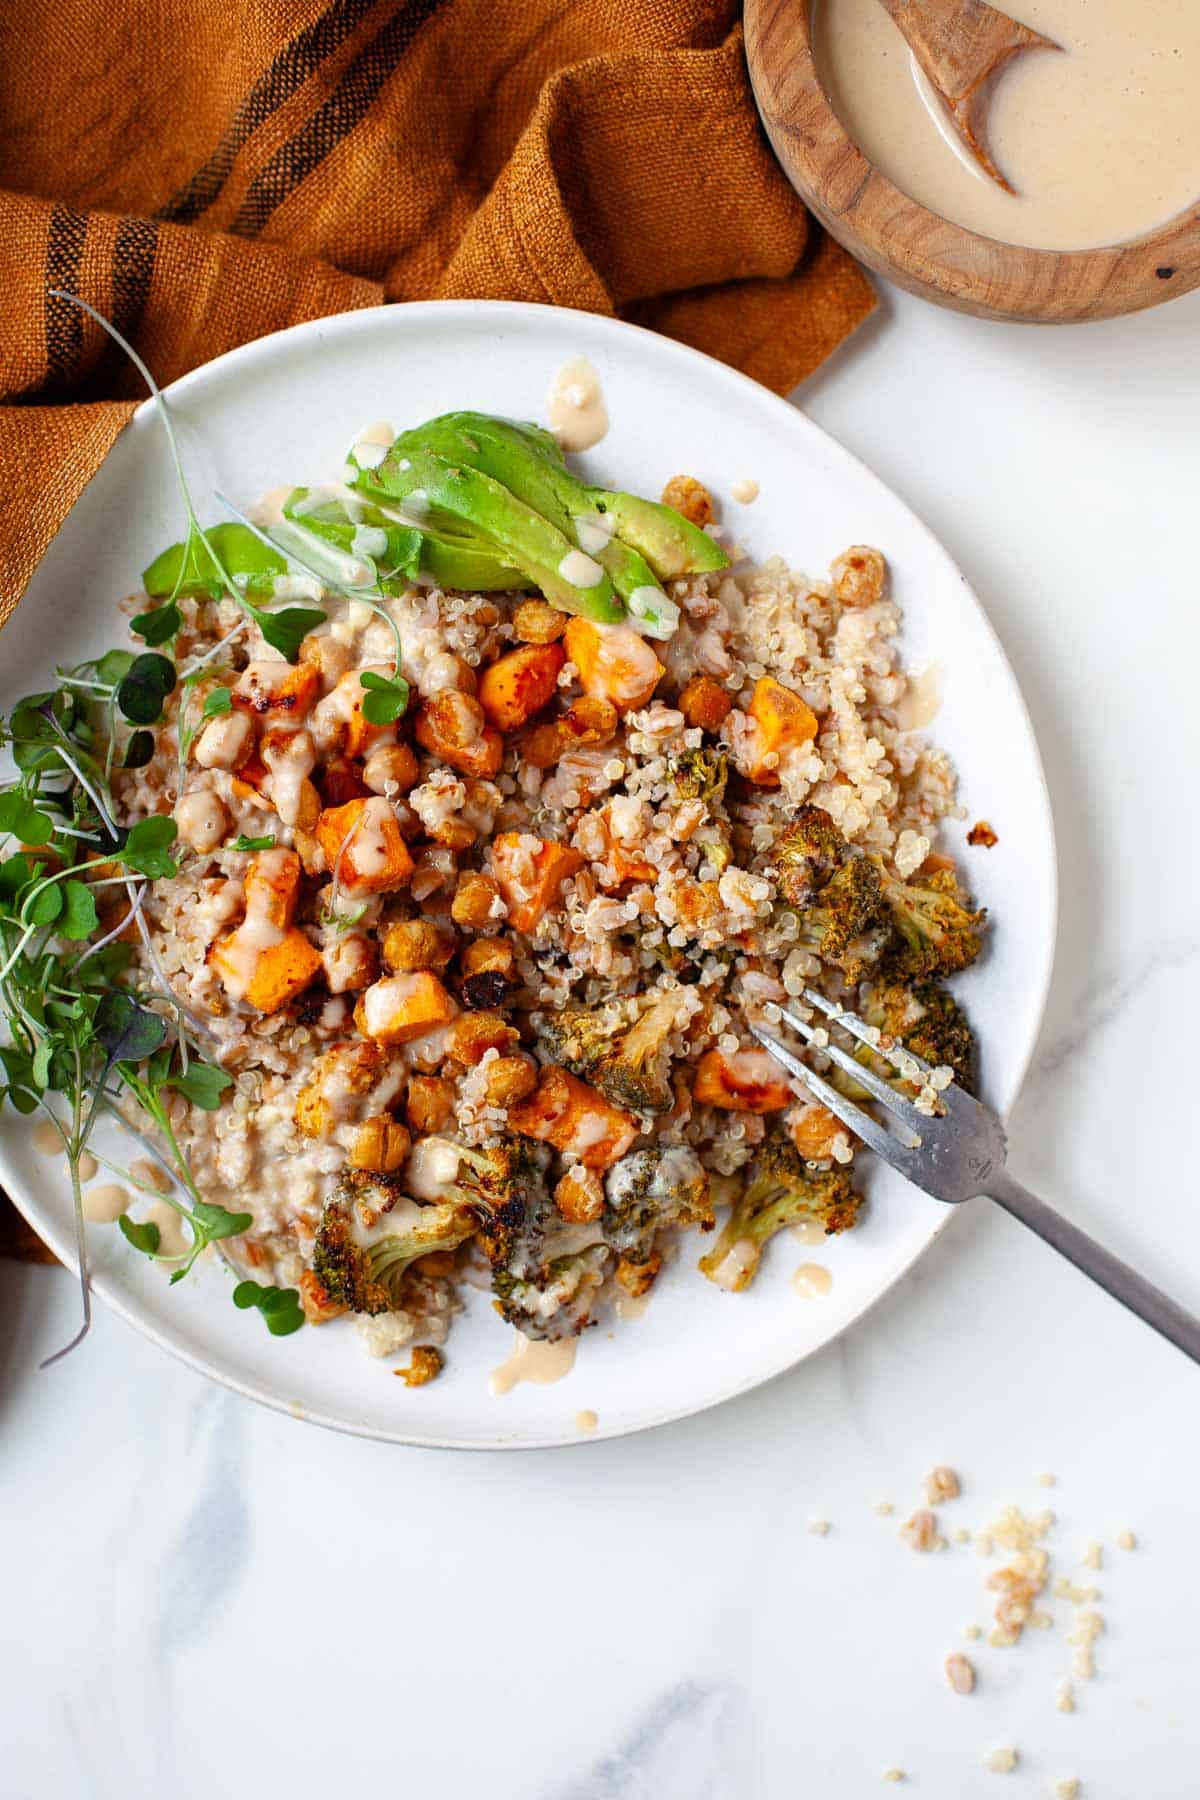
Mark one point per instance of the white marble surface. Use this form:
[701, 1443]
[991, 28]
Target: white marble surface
[203, 1599]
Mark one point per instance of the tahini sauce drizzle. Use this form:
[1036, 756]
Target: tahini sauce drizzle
[921, 701]
[575, 406]
[1101, 142]
[536, 1361]
[103, 1205]
[811, 1280]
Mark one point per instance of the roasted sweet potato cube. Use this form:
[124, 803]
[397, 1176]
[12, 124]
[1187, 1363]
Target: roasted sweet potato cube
[530, 872]
[272, 885]
[362, 841]
[742, 1081]
[267, 976]
[276, 690]
[784, 723]
[402, 1007]
[520, 683]
[574, 1117]
[614, 661]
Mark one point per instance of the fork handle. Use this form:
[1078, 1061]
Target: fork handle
[1157, 1309]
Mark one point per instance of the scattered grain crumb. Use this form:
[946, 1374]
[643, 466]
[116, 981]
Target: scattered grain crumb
[1086, 1627]
[1041, 1620]
[960, 1672]
[884, 1508]
[1126, 1540]
[1064, 1697]
[1001, 1761]
[1092, 1555]
[921, 1532]
[893, 1774]
[1066, 1589]
[961, 1535]
[1067, 1788]
[1047, 1480]
[973, 1632]
[818, 1527]
[586, 1421]
[981, 833]
[942, 1484]
[424, 1366]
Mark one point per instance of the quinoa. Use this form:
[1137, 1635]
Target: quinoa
[666, 894]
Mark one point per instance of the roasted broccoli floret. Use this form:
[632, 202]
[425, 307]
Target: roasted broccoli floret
[370, 1233]
[650, 1190]
[935, 930]
[699, 775]
[557, 1301]
[629, 1064]
[781, 1190]
[808, 853]
[845, 924]
[502, 1190]
[925, 1019]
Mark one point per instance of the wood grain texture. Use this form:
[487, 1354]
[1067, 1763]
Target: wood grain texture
[964, 46]
[914, 247]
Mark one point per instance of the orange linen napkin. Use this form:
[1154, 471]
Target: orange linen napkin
[206, 173]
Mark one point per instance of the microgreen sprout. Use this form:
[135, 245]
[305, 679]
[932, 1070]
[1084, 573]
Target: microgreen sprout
[87, 1037]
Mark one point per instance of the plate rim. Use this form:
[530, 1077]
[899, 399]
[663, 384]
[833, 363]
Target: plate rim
[108, 1288]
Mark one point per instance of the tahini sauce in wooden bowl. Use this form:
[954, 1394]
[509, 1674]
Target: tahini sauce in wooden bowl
[1102, 143]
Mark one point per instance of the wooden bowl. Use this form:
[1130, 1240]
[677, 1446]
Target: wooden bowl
[916, 248]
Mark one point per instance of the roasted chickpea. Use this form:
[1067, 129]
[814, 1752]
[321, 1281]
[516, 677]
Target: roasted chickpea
[509, 1079]
[453, 833]
[488, 956]
[381, 1144]
[590, 720]
[391, 768]
[537, 622]
[689, 497]
[328, 657]
[415, 944]
[579, 1196]
[704, 702]
[473, 900]
[430, 1104]
[858, 575]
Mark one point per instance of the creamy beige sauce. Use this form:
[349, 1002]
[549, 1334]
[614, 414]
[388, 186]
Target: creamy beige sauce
[536, 1361]
[586, 1421]
[104, 1205]
[811, 1280]
[1101, 142]
[630, 1306]
[173, 1239]
[575, 406]
[47, 1139]
[921, 702]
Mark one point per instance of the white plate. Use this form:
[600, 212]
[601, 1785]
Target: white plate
[284, 409]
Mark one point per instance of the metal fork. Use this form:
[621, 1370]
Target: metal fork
[959, 1154]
